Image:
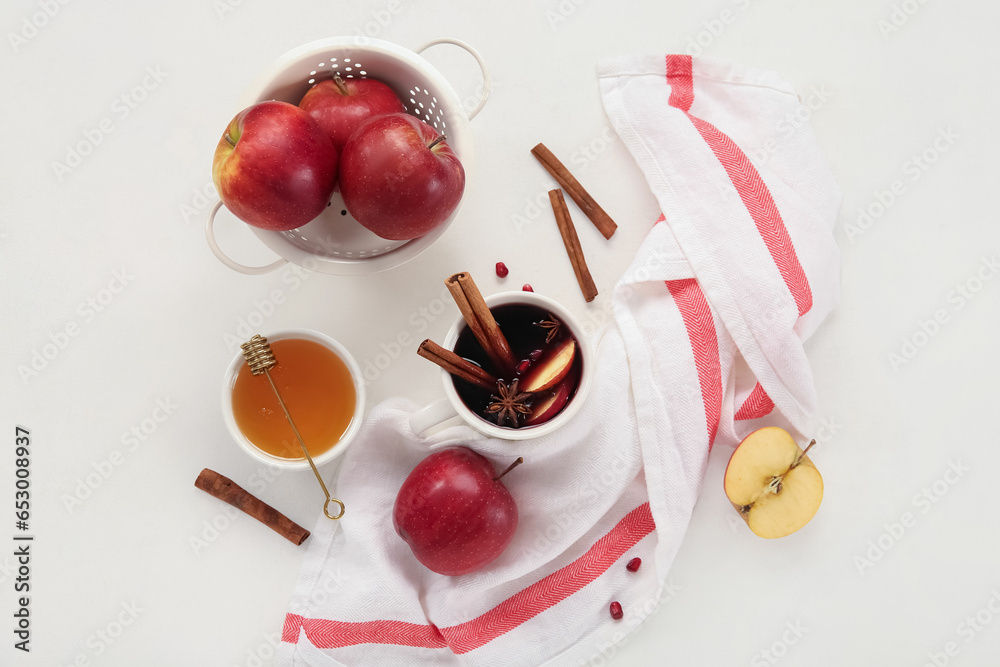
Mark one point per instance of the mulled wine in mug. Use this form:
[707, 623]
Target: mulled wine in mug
[540, 385]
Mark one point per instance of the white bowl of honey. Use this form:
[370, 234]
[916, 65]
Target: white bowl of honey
[320, 384]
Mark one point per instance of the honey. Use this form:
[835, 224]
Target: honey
[318, 391]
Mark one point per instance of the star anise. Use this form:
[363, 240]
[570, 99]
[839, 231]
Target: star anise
[508, 404]
[552, 325]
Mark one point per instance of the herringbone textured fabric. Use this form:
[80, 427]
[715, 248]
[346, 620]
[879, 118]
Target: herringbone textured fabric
[705, 345]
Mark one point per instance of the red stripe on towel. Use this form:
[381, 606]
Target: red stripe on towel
[700, 326]
[747, 182]
[758, 404]
[681, 82]
[503, 618]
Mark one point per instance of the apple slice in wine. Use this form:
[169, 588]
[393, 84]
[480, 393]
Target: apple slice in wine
[552, 403]
[552, 368]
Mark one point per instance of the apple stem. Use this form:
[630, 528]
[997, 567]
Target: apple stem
[434, 143]
[801, 456]
[229, 139]
[340, 84]
[519, 461]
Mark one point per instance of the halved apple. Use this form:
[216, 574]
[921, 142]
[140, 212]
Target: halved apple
[772, 483]
[552, 368]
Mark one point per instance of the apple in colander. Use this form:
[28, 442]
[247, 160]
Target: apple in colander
[399, 177]
[341, 105]
[274, 166]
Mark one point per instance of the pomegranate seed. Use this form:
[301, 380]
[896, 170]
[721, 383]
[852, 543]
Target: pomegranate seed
[536, 355]
[527, 288]
[502, 270]
[633, 564]
[616, 611]
[523, 366]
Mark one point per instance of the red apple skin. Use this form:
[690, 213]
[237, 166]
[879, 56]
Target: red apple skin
[395, 185]
[274, 167]
[452, 514]
[554, 400]
[340, 112]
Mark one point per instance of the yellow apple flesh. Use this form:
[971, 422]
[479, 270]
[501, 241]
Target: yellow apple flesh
[772, 483]
[551, 369]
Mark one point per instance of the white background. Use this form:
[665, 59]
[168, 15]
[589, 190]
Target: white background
[881, 96]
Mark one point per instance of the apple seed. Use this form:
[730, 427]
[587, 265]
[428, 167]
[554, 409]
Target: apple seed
[775, 485]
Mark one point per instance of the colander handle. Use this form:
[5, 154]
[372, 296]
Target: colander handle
[225, 259]
[487, 79]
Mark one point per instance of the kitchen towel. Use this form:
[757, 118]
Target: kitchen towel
[706, 344]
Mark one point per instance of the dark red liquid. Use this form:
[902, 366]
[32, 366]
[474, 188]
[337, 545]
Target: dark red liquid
[520, 325]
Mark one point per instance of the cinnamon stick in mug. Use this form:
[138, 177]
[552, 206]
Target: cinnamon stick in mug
[480, 320]
[229, 491]
[457, 365]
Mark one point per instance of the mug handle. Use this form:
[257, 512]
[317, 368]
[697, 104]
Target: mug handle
[225, 259]
[487, 79]
[431, 415]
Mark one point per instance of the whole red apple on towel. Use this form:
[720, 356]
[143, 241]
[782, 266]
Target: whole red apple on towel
[454, 512]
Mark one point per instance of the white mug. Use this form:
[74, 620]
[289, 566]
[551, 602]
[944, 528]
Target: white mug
[296, 464]
[452, 406]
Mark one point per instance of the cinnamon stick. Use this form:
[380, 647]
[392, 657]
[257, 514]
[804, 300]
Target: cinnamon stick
[229, 491]
[568, 182]
[457, 365]
[480, 320]
[572, 243]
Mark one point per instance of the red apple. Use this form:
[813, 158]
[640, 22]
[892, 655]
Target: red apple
[274, 167]
[399, 177]
[340, 106]
[454, 511]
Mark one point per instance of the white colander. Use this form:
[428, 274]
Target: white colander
[335, 242]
